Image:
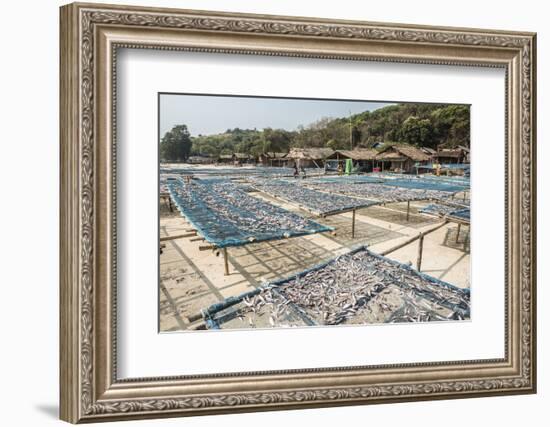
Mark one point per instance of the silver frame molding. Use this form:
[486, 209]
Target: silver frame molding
[90, 37]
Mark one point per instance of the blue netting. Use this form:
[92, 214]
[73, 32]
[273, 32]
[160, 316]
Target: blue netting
[441, 209]
[381, 193]
[459, 180]
[227, 216]
[422, 184]
[463, 214]
[318, 202]
[450, 211]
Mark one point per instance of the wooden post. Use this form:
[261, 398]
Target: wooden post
[457, 233]
[353, 224]
[420, 248]
[225, 262]
[177, 236]
[412, 239]
[408, 209]
[467, 239]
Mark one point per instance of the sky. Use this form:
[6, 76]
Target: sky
[206, 114]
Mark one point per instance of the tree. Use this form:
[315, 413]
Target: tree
[333, 144]
[176, 144]
[276, 140]
[452, 125]
[427, 125]
[417, 131]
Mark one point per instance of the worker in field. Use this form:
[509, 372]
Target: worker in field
[340, 169]
[437, 169]
[296, 170]
[303, 172]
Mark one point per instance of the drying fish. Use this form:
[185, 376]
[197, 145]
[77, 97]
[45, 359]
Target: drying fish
[381, 192]
[353, 287]
[227, 216]
[319, 202]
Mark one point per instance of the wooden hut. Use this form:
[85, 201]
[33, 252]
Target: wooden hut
[273, 159]
[309, 157]
[401, 158]
[363, 158]
[450, 155]
[466, 151]
[428, 151]
[242, 158]
[200, 160]
[225, 158]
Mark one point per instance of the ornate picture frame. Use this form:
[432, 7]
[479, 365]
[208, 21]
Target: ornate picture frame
[90, 37]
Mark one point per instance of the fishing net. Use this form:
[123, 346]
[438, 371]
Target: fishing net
[359, 287]
[227, 216]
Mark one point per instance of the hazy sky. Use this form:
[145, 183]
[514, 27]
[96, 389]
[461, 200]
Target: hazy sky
[215, 114]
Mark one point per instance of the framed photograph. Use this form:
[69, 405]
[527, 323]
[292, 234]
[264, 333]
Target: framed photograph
[267, 212]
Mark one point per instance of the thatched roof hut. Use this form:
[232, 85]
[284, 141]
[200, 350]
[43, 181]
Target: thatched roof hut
[356, 154]
[310, 153]
[242, 156]
[404, 152]
[451, 155]
[309, 157]
[401, 158]
[273, 158]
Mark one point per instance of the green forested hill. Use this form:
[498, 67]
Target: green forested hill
[426, 125]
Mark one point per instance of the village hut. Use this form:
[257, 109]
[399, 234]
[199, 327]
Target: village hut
[309, 157]
[455, 155]
[273, 159]
[241, 158]
[428, 151]
[363, 158]
[401, 158]
[225, 158]
[202, 159]
[466, 151]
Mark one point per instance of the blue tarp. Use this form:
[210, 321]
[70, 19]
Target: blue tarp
[226, 216]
